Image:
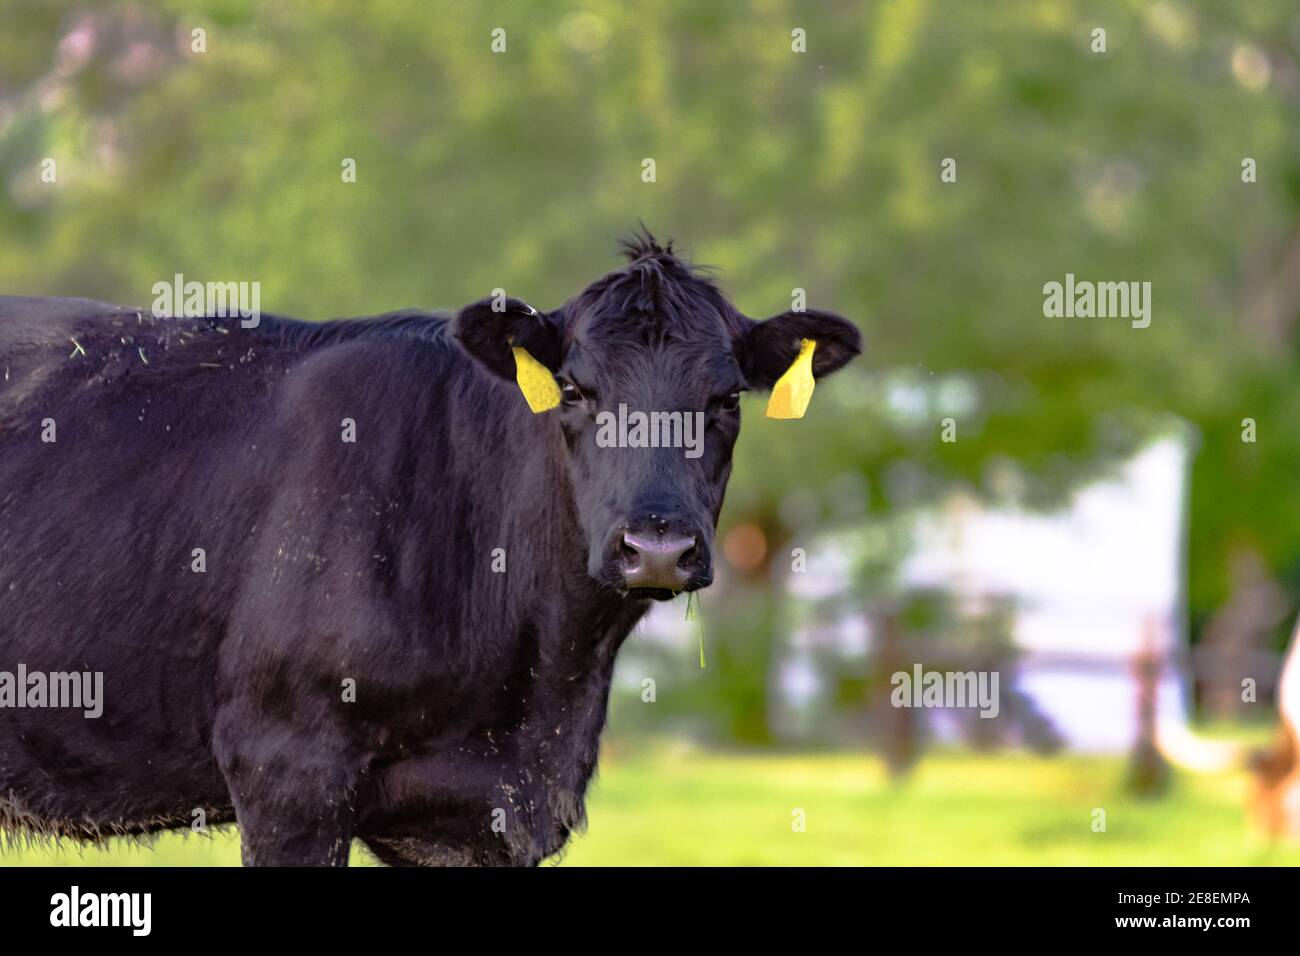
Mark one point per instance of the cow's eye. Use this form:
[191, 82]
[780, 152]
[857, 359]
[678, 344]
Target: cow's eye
[730, 402]
[570, 394]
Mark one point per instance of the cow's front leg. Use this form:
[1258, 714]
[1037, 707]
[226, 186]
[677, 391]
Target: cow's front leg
[292, 787]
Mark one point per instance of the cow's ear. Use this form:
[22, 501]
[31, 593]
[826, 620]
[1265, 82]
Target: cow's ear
[768, 349]
[490, 329]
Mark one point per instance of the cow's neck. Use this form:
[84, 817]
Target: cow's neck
[577, 626]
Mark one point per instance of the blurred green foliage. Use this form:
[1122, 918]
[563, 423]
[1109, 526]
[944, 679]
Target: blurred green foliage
[816, 170]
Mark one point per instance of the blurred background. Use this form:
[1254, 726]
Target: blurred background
[1099, 522]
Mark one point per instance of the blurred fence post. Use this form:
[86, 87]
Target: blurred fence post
[898, 744]
[1148, 771]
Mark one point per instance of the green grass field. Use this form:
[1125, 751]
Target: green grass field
[672, 805]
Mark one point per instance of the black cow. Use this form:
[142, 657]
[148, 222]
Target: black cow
[406, 638]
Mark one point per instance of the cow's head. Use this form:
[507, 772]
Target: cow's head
[650, 355]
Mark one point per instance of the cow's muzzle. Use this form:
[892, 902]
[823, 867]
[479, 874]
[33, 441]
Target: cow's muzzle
[659, 562]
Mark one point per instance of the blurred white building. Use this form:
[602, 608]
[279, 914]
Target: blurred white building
[1093, 585]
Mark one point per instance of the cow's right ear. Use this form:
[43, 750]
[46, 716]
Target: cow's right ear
[490, 329]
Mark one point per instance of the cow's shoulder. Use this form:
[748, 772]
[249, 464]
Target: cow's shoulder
[412, 327]
[383, 354]
[382, 381]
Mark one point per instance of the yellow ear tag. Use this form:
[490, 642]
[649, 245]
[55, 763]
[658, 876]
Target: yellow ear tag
[793, 390]
[535, 381]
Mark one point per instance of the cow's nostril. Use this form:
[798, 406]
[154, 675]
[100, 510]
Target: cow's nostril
[689, 556]
[627, 552]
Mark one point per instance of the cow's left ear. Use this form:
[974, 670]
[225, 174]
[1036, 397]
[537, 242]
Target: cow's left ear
[768, 349]
[490, 329]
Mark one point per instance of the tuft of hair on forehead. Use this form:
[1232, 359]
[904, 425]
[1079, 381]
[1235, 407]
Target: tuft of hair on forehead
[640, 244]
[657, 296]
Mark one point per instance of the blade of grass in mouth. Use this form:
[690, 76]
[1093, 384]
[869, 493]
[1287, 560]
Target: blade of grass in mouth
[693, 614]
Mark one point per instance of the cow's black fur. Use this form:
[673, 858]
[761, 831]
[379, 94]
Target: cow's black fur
[479, 696]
